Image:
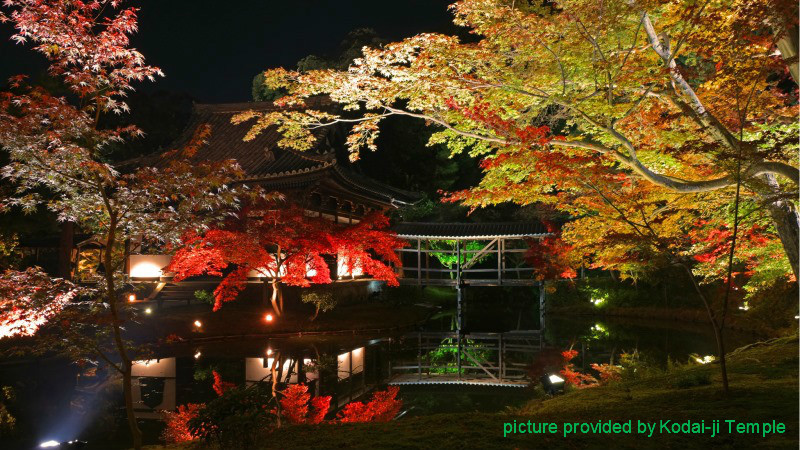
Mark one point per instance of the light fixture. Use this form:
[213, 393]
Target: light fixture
[269, 351]
[705, 359]
[131, 297]
[197, 355]
[148, 311]
[49, 444]
[198, 324]
[552, 383]
[268, 317]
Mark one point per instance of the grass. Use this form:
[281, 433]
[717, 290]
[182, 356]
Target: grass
[764, 387]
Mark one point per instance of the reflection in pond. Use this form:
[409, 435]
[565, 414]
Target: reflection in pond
[58, 404]
[164, 383]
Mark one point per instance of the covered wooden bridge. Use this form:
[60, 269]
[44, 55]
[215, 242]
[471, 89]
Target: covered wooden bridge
[459, 254]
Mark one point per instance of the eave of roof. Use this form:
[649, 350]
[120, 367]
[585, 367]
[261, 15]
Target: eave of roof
[459, 231]
[264, 161]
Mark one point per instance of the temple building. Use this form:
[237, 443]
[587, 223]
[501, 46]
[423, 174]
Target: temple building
[314, 179]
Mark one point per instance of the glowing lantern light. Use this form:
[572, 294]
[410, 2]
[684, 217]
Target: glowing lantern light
[197, 355]
[198, 324]
[148, 311]
[706, 359]
[132, 298]
[269, 351]
[268, 318]
[552, 384]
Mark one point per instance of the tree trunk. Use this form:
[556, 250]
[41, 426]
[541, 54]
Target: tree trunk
[316, 313]
[787, 45]
[787, 223]
[116, 328]
[721, 355]
[127, 387]
[716, 325]
[276, 292]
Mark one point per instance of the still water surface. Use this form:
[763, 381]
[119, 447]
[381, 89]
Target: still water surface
[56, 400]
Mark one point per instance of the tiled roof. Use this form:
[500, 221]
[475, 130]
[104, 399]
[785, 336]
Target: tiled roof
[468, 230]
[263, 160]
[260, 157]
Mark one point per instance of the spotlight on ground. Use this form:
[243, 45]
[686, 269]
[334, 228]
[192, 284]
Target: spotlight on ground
[552, 384]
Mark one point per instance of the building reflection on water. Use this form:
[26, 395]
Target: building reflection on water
[164, 383]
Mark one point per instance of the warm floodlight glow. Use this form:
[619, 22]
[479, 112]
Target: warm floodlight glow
[555, 379]
[148, 311]
[50, 443]
[268, 318]
[269, 351]
[705, 359]
[132, 297]
[147, 266]
[198, 324]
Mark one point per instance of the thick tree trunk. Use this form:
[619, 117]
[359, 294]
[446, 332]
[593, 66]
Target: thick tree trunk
[787, 45]
[277, 305]
[787, 223]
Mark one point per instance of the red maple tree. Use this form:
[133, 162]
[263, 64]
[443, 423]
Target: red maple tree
[281, 242]
[383, 407]
[297, 406]
[177, 423]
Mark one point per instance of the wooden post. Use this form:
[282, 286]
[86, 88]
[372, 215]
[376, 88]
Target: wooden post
[541, 311]
[419, 356]
[500, 352]
[499, 262]
[419, 262]
[459, 308]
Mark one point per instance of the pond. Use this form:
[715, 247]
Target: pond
[56, 400]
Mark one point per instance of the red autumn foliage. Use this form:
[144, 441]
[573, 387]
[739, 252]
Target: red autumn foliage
[607, 372]
[285, 244]
[549, 256]
[298, 407]
[572, 376]
[383, 407]
[177, 423]
[221, 386]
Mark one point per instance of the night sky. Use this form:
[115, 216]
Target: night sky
[212, 49]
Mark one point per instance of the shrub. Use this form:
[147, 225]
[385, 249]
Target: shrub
[177, 423]
[238, 419]
[322, 301]
[692, 379]
[204, 297]
[383, 407]
[298, 407]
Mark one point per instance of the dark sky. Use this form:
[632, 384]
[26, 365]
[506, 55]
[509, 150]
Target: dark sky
[212, 49]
